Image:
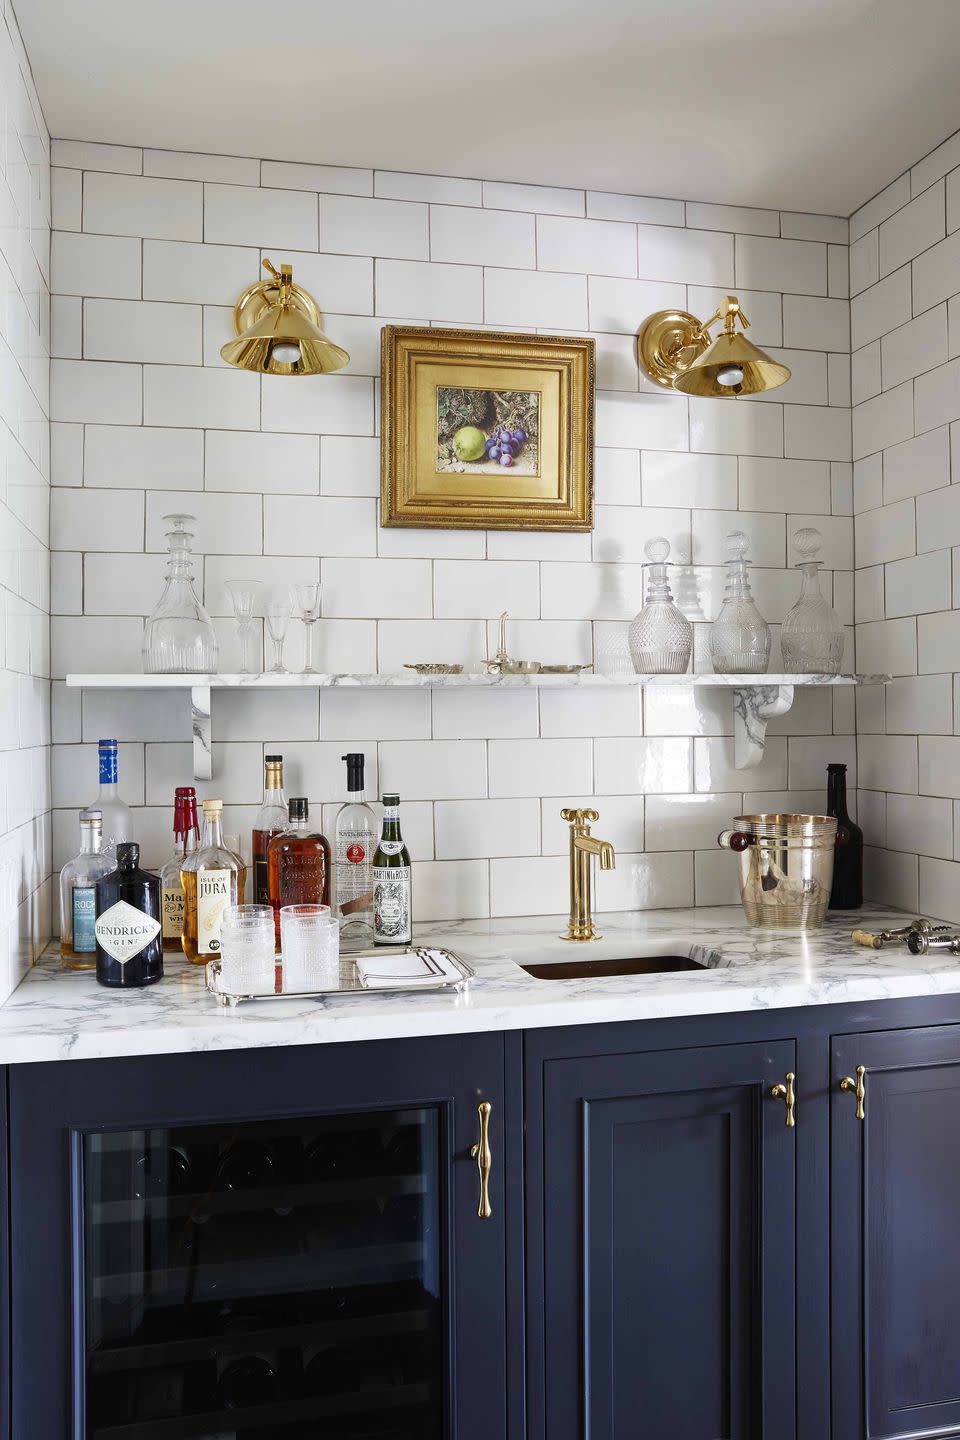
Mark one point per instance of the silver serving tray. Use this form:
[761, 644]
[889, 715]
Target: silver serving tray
[350, 982]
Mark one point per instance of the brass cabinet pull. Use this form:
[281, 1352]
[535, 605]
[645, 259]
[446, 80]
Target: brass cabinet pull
[858, 1088]
[787, 1094]
[483, 1155]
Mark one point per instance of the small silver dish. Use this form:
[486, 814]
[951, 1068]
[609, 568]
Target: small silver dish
[432, 668]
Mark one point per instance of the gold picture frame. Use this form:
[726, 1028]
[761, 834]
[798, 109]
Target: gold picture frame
[486, 431]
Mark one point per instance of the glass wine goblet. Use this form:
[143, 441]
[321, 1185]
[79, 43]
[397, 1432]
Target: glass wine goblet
[307, 597]
[243, 596]
[277, 615]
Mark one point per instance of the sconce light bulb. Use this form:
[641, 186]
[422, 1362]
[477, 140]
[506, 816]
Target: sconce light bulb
[286, 351]
[730, 375]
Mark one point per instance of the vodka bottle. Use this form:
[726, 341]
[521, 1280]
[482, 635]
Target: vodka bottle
[116, 815]
[355, 842]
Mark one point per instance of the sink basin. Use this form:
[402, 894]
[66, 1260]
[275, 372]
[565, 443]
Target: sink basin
[602, 969]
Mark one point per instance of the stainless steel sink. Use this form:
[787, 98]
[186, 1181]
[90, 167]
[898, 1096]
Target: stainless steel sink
[603, 969]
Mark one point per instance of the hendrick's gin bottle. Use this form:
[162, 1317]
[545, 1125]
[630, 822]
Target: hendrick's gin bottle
[128, 928]
[847, 890]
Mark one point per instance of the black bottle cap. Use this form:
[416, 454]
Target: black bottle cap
[836, 766]
[128, 855]
[390, 797]
[354, 770]
[298, 808]
[273, 759]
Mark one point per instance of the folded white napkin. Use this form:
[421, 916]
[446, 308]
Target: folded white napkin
[421, 967]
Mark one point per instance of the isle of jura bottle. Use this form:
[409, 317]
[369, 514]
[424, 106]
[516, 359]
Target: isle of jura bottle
[116, 815]
[355, 842]
[78, 896]
[392, 907]
[271, 820]
[213, 878]
[128, 928]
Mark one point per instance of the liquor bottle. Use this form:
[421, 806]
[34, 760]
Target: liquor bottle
[847, 890]
[213, 877]
[117, 817]
[186, 832]
[78, 897]
[271, 819]
[392, 910]
[298, 861]
[129, 942]
[355, 843]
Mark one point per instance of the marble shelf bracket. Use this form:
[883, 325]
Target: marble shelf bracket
[753, 706]
[202, 742]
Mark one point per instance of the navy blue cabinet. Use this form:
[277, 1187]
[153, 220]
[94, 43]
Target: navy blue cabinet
[895, 1219]
[273, 1243]
[661, 1242]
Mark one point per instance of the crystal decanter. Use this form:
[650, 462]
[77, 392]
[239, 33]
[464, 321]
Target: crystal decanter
[739, 637]
[661, 636]
[811, 636]
[179, 638]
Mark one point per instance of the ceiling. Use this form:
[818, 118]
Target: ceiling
[800, 104]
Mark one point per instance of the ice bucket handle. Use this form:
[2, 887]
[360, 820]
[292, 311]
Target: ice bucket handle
[735, 840]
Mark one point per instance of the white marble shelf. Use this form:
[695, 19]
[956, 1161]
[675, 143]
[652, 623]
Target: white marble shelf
[756, 698]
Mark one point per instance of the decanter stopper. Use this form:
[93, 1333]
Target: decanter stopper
[661, 636]
[739, 637]
[811, 637]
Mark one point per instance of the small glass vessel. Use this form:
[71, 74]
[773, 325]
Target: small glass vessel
[661, 636]
[179, 638]
[243, 597]
[78, 895]
[811, 636]
[307, 600]
[739, 637]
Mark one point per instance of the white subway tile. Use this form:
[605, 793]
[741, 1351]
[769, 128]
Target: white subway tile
[117, 584]
[921, 824]
[939, 771]
[95, 265]
[434, 769]
[599, 247]
[617, 364]
[86, 155]
[838, 272]
[808, 383]
[688, 822]
[142, 331]
[913, 229]
[135, 716]
[765, 532]
[865, 372]
[690, 257]
[884, 420]
[484, 714]
[238, 460]
[716, 772]
[471, 830]
[918, 704]
[884, 534]
[340, 284]
[672, 478]
[85, 390]
[832, 228]
[935, 273]
[347, 646]
[938, 888]
[782, 484]
[893, 198]
[349, 465]
[657, 421]
[464, 590]
[422, 290]
[806, 759]
[333, 179]
[915, 347]
[251, 714]
[79, 643]
[336, 404]
[66, 327]
[143, 458]
[66, 454]
[590, 712]
[888, 646]
[797, 266]
[226, 524]
[191, 396]
[811, 323]
[891, 878]
[601, 591]
[487, 237]
[539, 767]
[937, 163]
[938, 519]
[601, 205]
[919, 584]
[66, 189]
[184, 165]
[201, 274]
[373, 588]
[735, 429]
[841, 488]
[237, 772]
[518, 297]
[881, 307]
[417, 641]
[736, 218]
[645, 765]
[397, 542]
[319, 525]
[351, 225]
[246, 215]
[137, 205]
[74, 773]
[812, 432]
[66, 583]
[349, 714]
[865, 262]
[440, 189]
[621, 305]
[621, 532]
[937, 397]
[453, 889]
[616, 477]
[867, 484]
[540, 199]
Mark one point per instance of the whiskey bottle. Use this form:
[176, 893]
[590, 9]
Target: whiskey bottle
[355, 843]
[846, 893]
[213, 877]
[298, 861]
[271, 820]
[127, 929]
[117, 817]
[186, 839]
[78, 896]
[392, 908]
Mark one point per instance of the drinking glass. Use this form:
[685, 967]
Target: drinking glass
[277, 615]
[247, 949]
[307, 597]
[243, 596]
[309, 947]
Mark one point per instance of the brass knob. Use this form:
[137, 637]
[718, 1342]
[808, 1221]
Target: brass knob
[857, 1087]
[787, 1094]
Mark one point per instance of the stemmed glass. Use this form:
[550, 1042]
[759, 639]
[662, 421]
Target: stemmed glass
[243, 595]
[307, 596]
[277, 615]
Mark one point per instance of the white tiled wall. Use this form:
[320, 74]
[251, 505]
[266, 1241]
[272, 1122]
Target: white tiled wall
[149, 254]
[905, 317]
[25, 576]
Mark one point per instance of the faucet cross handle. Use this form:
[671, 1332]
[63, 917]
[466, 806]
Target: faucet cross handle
[580, 817]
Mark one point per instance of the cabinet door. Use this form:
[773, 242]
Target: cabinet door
[668, 1260]
[895, 1251]
[266, 1244]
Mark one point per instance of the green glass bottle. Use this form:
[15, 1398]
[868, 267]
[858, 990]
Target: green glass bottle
[392, 908]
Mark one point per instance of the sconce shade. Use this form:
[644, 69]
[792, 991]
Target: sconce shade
[278, 330]
[677, 352]
[730, 353]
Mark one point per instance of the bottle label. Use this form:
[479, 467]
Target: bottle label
[108, 766]
[302, 876]
[171, 908]
[84, 919]
[261, 882]
[354, 882]
[391, 812]
[123, 931]
[391, 903]
[213, 897]
[391, 847]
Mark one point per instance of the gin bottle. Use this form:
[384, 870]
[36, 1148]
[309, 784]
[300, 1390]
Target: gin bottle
[78, 896]
[355, 841]
[117, 817]
[213, 878]
[392, 908]
[186, 839]
[128, 929]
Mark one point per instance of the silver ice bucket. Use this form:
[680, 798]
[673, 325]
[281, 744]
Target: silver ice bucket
[786, 867]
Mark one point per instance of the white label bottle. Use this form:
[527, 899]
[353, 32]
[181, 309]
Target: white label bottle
[392, 907]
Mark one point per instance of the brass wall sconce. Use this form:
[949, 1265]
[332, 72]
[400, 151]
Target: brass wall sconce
[677, 351]
[278, 329]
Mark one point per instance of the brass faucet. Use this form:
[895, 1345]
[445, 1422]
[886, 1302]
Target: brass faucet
[583, 847]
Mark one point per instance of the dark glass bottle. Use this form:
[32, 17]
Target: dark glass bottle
[847, 891]
[392, 905]
[298, 863]
[128, 928]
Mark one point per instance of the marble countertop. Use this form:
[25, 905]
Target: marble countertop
[59, 1015]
